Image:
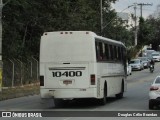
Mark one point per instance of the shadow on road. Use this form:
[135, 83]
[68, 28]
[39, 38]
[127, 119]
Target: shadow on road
[83, 103]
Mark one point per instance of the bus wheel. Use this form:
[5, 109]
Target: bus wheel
[60, 103]
[120, 95]
[103, 100]
[151, 105]
[57, 102]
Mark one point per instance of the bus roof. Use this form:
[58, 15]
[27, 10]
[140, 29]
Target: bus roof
[86, 33]
[110, 40]
[70, 32]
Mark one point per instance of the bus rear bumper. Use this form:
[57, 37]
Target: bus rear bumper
[68, 93]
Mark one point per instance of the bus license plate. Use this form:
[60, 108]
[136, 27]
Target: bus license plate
[66, 82]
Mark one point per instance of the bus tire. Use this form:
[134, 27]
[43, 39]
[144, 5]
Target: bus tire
[60, 103]
[120, 95]
[103, 100]
[151, 105]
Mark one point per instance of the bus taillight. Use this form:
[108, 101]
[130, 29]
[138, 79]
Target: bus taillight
[93, 79]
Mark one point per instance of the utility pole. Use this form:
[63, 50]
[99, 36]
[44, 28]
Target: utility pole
[143, 4]
[101, 17]
[135, 8]
[1, 65]
[1, 7]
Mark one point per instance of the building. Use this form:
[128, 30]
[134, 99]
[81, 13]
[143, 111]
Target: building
[128, 19]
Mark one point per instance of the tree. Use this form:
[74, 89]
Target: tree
[155, 33]
[144, 33]
[149, 32]
[24, 21]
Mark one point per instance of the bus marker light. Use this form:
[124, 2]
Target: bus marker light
[45, 33]
[87, 32]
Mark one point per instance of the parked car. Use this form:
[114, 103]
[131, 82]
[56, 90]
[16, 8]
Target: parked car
[148, 53]
[156, 56]
[145, 61]
[136, 64]
[129, 69]
[154, 93]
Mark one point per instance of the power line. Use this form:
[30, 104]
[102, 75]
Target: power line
[143, 4]
[135, 8]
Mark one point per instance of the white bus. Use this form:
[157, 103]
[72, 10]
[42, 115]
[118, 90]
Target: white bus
[80, 64]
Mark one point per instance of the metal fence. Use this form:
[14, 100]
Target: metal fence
[19, 73]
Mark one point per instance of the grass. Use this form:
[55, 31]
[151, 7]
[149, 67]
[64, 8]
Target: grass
[20, 91]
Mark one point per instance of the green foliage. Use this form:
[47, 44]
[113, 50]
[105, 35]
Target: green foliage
[24, 21]
[145, 31]
[154, 35]
[149, 32]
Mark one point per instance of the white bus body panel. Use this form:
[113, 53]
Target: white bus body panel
[63, 55]
[113, 74]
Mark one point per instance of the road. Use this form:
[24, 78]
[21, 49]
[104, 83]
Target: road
[135, 99]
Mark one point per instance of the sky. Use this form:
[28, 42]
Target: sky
[120, 5]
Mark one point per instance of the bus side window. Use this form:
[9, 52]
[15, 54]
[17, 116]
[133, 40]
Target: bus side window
[107, 53]
[115, 53]
[119, 54]
[111, 52]
[104, 52]
[122, 56]
[99, 51]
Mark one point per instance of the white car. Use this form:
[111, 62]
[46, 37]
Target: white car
[136, 64]
[154, 94]
[156, 56]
